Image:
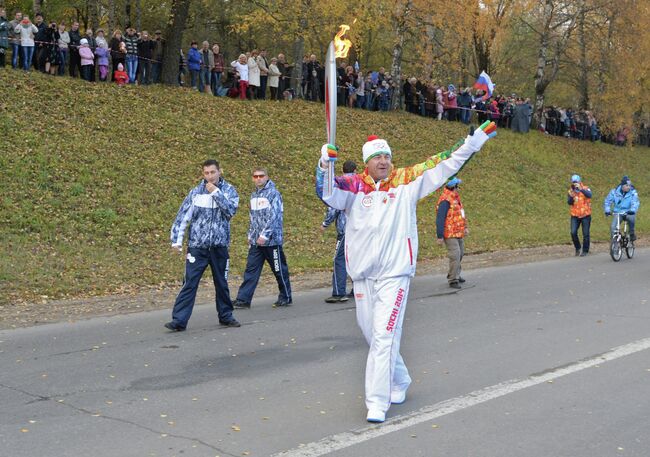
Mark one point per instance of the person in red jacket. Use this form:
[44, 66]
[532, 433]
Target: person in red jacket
[579, 199]
[451, 228]
[120, 76]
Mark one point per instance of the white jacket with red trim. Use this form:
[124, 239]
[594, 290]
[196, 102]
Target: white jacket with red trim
[381, 236]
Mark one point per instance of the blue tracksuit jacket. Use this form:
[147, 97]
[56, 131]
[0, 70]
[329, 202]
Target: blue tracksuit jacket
[208, 215]
[266, 215]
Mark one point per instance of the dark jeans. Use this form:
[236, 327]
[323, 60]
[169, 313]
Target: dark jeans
[261, 91]
[87, 72]
[586, 224]
[16, 54]
[274, 255]
[215, 82]
[156, 71]
[630, 218]
[144, 71]
[196, 262]
[63, 57]
[340, 274]
[75, 62]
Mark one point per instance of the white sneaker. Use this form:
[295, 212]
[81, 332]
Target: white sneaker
[374, 415]
[397, 397]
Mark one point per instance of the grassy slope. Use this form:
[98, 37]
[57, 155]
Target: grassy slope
[89, 190]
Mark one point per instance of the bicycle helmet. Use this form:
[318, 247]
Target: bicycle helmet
[575, 178]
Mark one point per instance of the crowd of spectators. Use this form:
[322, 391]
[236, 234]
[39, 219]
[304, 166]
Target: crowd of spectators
[136, 58]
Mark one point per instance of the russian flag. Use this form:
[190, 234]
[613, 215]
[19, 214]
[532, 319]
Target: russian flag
[485, 84]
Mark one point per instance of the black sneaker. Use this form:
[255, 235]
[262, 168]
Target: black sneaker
[454, 285]
[281, 303]
[239, 304]
[174, 327]
[461, 280]
[231, 323]
[336, 299]
[584, 254]
[577, 252]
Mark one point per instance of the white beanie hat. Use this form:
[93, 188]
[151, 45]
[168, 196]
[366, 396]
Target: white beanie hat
[375, 146]
[83, 41]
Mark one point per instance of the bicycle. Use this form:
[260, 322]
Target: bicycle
[621, 240]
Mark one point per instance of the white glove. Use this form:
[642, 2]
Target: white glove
[179, 247]
[325, 152]
[475, 142]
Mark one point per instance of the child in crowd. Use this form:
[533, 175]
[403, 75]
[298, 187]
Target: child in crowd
[102, 59]
[87, 60]
[120, 76]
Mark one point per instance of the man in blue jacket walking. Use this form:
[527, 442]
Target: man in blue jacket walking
[625, 199]
[265, 239]
[208, 209]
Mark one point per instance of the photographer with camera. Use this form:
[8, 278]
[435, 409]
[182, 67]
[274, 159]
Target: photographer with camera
[579, 199]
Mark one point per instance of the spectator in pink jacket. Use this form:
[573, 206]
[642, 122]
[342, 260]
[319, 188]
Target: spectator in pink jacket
[87, 60]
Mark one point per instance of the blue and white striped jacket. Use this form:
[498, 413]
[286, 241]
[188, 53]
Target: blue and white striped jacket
[266, 214]
[338, 216]
[208, 214]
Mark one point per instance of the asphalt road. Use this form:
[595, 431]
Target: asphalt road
[536, 360]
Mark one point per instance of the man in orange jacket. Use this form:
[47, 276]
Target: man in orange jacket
[579, 199]
[451, 228]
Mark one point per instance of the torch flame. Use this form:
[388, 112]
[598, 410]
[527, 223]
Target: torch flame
[342, 45]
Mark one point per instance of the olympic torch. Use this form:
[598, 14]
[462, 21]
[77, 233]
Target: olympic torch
[338, 47]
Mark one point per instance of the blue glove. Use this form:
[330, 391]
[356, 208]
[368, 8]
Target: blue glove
[607, 214]
[631, 213]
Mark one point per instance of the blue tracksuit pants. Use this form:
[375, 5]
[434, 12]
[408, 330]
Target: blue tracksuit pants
[340, 274]
[274, 255]
[197, 260]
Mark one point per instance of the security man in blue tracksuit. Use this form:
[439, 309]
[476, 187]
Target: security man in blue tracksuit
[207, 209]
[265, 239]
[340, 274]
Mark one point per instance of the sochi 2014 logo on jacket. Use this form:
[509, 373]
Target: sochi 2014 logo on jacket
[367, 201]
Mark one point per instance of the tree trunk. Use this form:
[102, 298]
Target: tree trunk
[299, 48]
[606, 51]
[111, 17]
[399, 26]
[138, 15]
[583, 64]
[37, 6]
[127, 12]
[93, 13]
[174, 40]
[298, 52]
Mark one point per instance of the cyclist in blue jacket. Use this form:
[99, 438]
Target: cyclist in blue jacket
[624, 199]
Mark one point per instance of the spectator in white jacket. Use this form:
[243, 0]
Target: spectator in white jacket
[26, 30]
[274, 78]
[241, 66]
[264, 74]
[253, 73]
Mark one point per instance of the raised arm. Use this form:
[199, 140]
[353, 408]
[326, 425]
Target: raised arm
[343, 189]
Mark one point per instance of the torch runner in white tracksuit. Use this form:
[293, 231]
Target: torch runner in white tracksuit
[381, 247]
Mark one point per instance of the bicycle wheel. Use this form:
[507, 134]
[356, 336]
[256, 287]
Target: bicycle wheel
[629, 249]
[615, 250]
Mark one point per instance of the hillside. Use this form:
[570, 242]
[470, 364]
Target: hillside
[92, 177]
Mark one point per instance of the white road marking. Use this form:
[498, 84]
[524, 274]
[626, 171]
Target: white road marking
[346, 439]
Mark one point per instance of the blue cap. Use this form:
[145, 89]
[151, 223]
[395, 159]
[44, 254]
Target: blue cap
[453, 182]
[575, 178]
[625, 180]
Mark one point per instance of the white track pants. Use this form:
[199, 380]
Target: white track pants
[380, 312]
